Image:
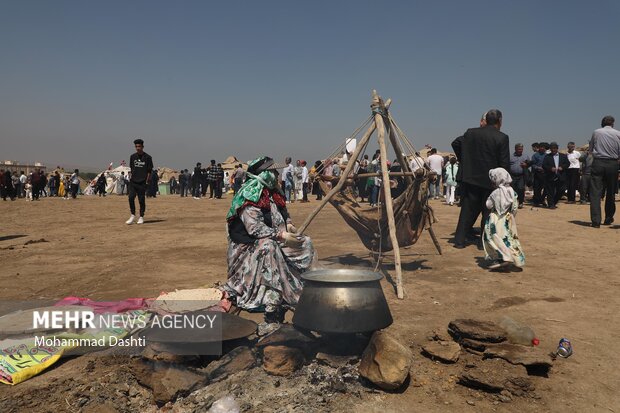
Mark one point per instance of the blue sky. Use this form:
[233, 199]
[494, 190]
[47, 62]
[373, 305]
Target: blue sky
[200, 80]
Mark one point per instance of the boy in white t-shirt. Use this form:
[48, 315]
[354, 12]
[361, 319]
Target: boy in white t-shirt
[572, 174]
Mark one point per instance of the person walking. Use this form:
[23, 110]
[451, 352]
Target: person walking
[572, 173]
[197, 181]
[478, 151]
[586, 160]
[16, 185]
[287, 179]
[452, 171]
[8, 188]
[305, 180]
[75, 183]
[101, 183]
[536, 163]
[218, 178]
[121, 184]
[605, 148]
[141, 166]
[238, 178]
[518, 171]
[153, 185]
[555, 165]
[35, 180]
[435, 163]
[182, 183]
[500, 239]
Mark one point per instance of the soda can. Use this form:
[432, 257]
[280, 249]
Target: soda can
[565, 348]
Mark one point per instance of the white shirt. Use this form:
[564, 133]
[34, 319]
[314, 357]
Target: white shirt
[23, 179]
[286, 171]
[573, 158]
[304, 175]
[416, 163]
[436, 163]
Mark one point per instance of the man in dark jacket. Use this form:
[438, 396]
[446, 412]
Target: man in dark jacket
[182, 182]
[555, 165]
[197, 180]
[478, 151]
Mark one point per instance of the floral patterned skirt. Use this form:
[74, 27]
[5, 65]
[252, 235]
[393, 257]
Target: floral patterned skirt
[265, 275]
[501, 241]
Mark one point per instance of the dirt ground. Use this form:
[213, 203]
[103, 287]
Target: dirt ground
[569, 288]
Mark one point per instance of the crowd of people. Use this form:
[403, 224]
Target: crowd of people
[37, 184]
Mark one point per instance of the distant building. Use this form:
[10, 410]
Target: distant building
[17, 166]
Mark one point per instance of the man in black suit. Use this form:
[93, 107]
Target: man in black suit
[478, 151]
[555, 165]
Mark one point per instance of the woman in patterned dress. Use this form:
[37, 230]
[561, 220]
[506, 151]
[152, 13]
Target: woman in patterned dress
[500, 239]
[265, 257]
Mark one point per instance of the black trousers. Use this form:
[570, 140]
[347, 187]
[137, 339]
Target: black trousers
[305, 191]
[139, 189]
[554, 188]
[197, 189]
[518, 184]
[473, 203]
[218, 188]
[36, 191]
[539, 185]
[182, 187]
[572, 183]
[74, 190]
[604, 181]
[584, 188]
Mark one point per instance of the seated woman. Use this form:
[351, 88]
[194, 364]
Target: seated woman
[265, 257]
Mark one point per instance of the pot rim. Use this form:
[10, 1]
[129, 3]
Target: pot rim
[342, 275]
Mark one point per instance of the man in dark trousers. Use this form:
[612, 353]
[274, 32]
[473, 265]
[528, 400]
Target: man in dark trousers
[478, 151]
[182, 182]
[197, 181]
[605, 148]
[141, 165]
[555, 165]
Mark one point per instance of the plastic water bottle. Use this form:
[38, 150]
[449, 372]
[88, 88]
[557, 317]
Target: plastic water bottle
[518, 334]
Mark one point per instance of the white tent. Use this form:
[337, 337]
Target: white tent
[112, 178]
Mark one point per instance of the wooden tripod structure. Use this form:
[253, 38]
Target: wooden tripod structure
[383, 123]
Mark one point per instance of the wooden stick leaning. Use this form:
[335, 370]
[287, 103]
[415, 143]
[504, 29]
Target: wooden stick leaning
[347, 170]
[388, 205]
[396, 145]
[399, 155]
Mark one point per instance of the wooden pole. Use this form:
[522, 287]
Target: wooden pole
[347, 170]
[399, 155]
[388, 205]
[371, 174]
[338, 186]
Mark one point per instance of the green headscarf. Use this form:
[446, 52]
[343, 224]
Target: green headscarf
[252, 189]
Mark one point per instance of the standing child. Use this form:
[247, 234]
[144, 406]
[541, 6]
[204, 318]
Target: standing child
[451, 170]
[500, 240]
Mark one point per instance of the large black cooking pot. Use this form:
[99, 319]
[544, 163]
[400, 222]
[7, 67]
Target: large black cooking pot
[342, 301]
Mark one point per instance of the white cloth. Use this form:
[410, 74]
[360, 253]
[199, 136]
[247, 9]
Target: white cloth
[416, 163]
[23, 179]
[75, 179]
[287, 173]
[502, 197]
[304, 175]
[573, 158]
[435, 162]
